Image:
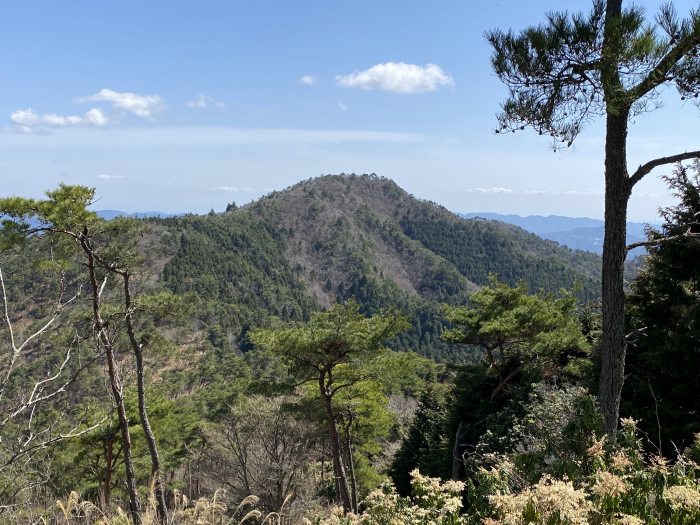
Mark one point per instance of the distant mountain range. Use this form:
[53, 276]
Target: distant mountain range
[578, 233]
[111, 214]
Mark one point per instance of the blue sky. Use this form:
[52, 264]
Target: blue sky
[183, 106]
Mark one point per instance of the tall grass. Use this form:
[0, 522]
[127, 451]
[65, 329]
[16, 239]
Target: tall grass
[215, 510]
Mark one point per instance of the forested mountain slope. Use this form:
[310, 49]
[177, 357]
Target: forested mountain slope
[337, 237]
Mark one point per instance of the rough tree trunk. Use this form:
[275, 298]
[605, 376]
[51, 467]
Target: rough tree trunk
[338, 468]
[617, 190]
[156, 473]
[109, 460]
[351, 466]
[115, 384]
[617, 193]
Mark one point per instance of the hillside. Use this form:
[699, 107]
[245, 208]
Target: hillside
[577, 233]
[337, 237]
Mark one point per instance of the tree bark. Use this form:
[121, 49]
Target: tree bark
[617, 191]
[107, 489]
[457, 464]
[115, 384]
[338, 468]
[351, 465]
[156, 474]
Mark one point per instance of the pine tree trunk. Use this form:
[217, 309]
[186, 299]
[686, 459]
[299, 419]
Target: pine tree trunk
[617, 193]
[156, 473]
[351, 466]
[107, 488]
[457, 462]
[338, 468]
[115, 384]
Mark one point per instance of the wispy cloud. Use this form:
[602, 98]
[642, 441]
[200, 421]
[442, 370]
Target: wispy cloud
[397, 77]
[495, 189]
[177, 136]
[29, 120]
[342, 106]
[144, 106]
[580, 192]
[509, 191]
[307, 80]
[232, 189]
[203, 101]
[107, 176]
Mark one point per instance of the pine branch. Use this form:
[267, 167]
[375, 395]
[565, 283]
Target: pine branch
[644, 169]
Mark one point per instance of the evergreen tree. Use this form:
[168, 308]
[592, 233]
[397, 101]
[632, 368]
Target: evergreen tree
[425, 447]
[336, 348]
[664, 306]
[522, 337]
[612, 63]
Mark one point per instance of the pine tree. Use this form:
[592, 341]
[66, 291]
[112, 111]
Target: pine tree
[664, 309]
[609, 63]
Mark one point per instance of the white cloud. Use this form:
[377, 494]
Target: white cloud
[580, 192]
[149, 137]
[27, 119]
[232, 189]
[502, 190]
[495, 189]
[107, 176]
[397, 78]
[203, 101]
[307, 80]
[342, 106]
[143, 106]
[96, 117]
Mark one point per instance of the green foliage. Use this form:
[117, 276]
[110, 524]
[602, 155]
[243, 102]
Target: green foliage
[339, 335]
[535, 332]
[83, 464]
[64, 209]
[342, 351]
[574, 67]
[478, 248]
[663, 359]
[235, 267]
[426, 446]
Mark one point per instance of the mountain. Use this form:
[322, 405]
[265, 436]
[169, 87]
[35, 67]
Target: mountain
[578, 233]
[336, 237]
[539, 224]
[111, 214]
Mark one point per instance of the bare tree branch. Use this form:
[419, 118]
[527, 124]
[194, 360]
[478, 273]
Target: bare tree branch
[644, 169]
[21, 448]
[663, 240]
[17, 350]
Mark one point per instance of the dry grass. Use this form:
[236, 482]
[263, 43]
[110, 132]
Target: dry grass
[215, 510]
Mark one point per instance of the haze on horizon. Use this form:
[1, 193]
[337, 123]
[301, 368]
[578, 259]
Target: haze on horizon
[178, 108]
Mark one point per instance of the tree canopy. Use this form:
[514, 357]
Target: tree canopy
[612, 63]
[337, 348]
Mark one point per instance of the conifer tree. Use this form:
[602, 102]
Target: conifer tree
[664, 310]
[611, 63]
[336, 349]
[106, 250]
